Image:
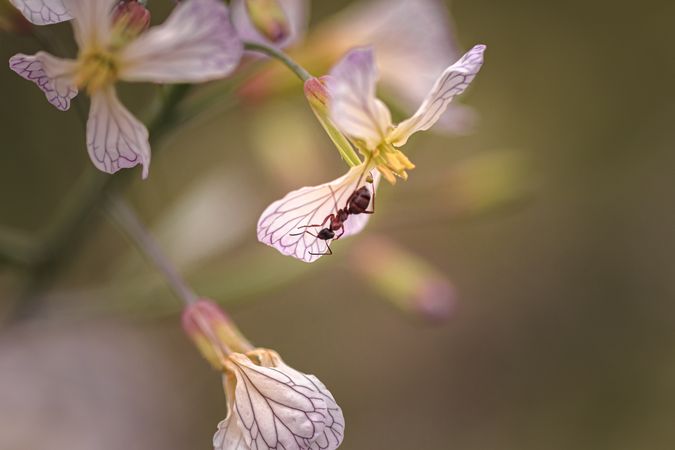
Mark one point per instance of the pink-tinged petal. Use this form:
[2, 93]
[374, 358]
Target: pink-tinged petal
[353, 106]
[229, 436]
[42, 12]
[92, 21]
[283, 225]
[51, 74]
[197, 43]
[297, 14]
[115, 138]
[454, 80]
[413, 41]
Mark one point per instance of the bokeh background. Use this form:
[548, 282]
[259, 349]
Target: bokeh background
[553, 223]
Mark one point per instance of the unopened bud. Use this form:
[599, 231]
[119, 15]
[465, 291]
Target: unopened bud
[212, 331]
[318, 97]
[131, 17]
[405, 279]
[317, 94]
[269, 18]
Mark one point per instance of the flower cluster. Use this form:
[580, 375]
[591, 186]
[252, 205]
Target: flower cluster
[270, 404]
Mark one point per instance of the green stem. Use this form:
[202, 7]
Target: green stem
[127, 220]
[281, 56]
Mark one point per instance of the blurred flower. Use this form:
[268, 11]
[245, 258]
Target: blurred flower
[44, 12]
[270, 404]
[197, 43]
[346, 105]
[405, 279]
[277, 22]
[413, 41]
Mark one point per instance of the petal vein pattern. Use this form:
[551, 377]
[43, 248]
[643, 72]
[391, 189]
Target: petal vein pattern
[197, 43]
[281, 408]
[454, 80]
[115, 138]
[229, 436]
[50, 74]
[42, 12]
[311, 206]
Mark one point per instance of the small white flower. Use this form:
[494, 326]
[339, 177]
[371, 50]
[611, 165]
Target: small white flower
[197, 43]
[293, 224]
[273, 406]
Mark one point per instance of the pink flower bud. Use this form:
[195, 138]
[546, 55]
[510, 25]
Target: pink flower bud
[212, 331]
[269, 18]
[131, 16]
[406, 280]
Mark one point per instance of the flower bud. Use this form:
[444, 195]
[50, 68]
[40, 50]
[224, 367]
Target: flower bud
[212, 331]
[269, 18]
[318, 97]
[406, 280]
[130, 18]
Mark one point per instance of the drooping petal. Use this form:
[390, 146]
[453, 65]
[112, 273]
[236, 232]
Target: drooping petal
[115, 138]
[51, 74]
[454, 80]
[229, 436]
[42, 12]
[197, 43]
[353, 106]
[274, 410]
[291, 224]
[92, 22]
[297, 14]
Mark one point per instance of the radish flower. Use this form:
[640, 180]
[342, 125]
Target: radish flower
[197, 43]
[346, 106]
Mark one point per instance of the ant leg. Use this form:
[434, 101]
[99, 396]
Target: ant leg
[329, 217]
[330, 252]
[342, 227]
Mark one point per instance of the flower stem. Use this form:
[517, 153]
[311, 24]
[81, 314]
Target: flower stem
[281, 56]
[126, 219]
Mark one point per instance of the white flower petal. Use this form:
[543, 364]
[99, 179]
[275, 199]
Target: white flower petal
[283, 225]
[42, 12]
[92, 21]
[413, 41]
[115, 138]
[196, 43]
[297, 14]
[353, 106]
[229, 436]
[51, 74]
[276, 408]
[454, 80]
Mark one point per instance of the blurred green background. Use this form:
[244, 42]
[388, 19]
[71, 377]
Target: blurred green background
[553, 222]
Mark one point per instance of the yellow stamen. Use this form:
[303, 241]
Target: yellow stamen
[97, 69]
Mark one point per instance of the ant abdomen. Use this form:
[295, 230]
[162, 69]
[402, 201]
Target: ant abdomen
[359, 201]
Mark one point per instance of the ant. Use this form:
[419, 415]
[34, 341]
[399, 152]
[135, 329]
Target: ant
[357, 203]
